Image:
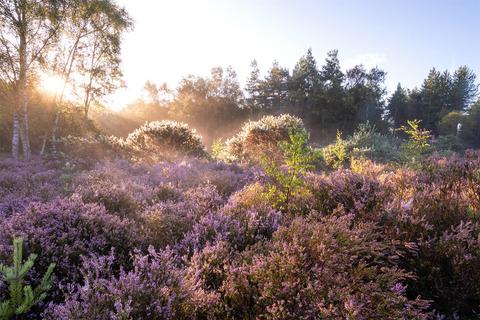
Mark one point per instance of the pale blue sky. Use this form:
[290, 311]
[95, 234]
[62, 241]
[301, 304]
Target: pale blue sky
[404, 37]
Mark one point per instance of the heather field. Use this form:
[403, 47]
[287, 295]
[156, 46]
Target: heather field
[301, 234]
[239, 160]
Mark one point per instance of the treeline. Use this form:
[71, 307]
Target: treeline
[325, 97]
[80, 43]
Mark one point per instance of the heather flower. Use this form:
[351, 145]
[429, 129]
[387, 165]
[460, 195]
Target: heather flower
[64, 230]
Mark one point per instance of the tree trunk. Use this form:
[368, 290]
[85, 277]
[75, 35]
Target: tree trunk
[22, 94]
[44, 144]
[54, 131]
[27, 152]
[15, 136]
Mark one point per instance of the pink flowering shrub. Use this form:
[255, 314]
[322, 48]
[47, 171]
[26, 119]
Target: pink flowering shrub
[328, 268]
[373, 242]
[62, 231]
[153, 289]
[356, 194]
[21, 183]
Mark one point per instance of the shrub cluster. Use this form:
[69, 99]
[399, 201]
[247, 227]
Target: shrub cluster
[153, 142]
[365, 143]
[258, 139]
[164, 140]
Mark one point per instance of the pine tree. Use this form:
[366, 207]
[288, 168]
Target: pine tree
[333, 104]
[22, 298]
[464, 89]
[305, 79]
[276, 86]
[398, 107]
[254, 88]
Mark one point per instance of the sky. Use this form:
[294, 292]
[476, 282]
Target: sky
[406, 38]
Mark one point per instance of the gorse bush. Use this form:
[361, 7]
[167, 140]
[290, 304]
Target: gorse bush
[164, 140]
[258, 139]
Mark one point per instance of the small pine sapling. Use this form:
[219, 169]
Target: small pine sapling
[336, 155]
[418, 141]
[22, 298]
[287, 179]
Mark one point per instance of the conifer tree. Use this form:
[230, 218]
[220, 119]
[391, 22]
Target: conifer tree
[22, 298]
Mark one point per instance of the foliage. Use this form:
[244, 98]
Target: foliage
[22, 298]
[219, 151]
[161, 140]
[449, 124]
[470, 130]
[446, 145]
[418, 143]
[87, 151]
[261, 138]
[368, 142]
[365, 143]
[287, 180]
[335, 155]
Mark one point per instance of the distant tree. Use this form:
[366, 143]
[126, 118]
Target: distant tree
[276, 86]
[332, 103]
[416, 106]
[397, 107]
[230, 87]
[255, 88]
[304, 81]
[436, 101]
[98, 66]
[88, 53]
[208, 102]
[470, 129]
[464, 89]
[365, 94]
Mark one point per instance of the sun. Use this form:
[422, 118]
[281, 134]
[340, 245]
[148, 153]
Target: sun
[52, 84]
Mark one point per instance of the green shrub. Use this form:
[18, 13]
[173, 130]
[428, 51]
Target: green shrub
[164, 140]
[418, 143]
[219, 150]
[447, 145]
[336, 154]
[448, 125]
[258, 139]
[367, 142]
[22, 298]
[87, 151]
[287, 180]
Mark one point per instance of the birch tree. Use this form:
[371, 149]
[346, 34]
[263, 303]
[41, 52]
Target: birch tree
[27, 29]
[88, 54]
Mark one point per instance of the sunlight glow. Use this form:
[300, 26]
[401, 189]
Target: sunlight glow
[52, 84]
